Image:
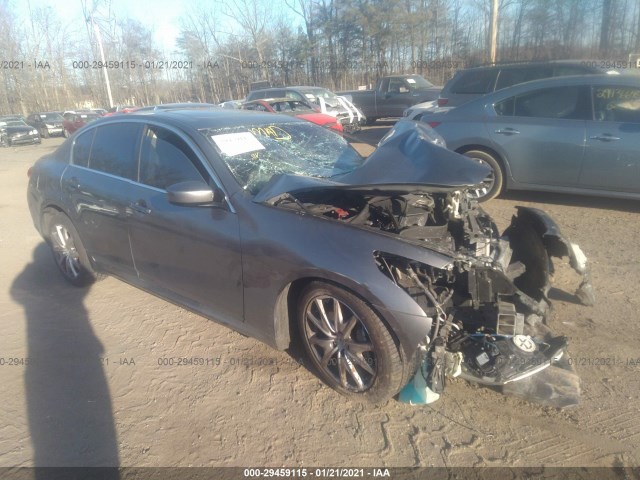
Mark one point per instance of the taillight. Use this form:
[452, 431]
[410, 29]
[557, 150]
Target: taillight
[433, 124]
[29, 172]
[442, 102]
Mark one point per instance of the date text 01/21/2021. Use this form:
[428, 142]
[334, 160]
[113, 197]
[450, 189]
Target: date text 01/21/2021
[133, 64]
[316, 472]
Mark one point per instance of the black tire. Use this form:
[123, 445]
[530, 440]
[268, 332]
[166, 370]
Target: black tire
[492, 185]
[68, 250]
[357, 355]
[44, 133]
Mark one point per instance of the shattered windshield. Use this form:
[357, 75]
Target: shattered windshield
[255, 153]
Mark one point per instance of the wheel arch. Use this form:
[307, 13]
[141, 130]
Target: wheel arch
[46, 212]
[287, 302]
[506, 172]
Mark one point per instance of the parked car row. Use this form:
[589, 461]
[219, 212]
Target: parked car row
[296, 108]
[323, 101]
[15, 131]
[18, 130]
[562, 126]
[471, 83]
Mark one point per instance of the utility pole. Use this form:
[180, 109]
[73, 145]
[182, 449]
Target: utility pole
[104, 63]
[493, 27]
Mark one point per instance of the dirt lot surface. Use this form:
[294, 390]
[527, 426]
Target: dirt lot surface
[93, 377]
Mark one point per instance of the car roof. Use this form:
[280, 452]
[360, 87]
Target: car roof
[498, 66]
[302, 88]
[203, 119]
[520, 88]
[594, 79]
[274, 99]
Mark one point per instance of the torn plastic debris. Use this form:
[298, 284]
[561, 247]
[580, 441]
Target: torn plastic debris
[557, 245]
[520, 364]
[417, 391]
[553, 387]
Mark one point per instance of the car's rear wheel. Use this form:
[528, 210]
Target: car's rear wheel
[350, 347]
[492, 185]
[68, 251]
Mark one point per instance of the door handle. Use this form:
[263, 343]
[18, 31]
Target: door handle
[604, 137]
[507, 131]
[73, 183]
[140, 206]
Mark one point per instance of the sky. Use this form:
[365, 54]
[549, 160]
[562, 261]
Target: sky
[164, 15]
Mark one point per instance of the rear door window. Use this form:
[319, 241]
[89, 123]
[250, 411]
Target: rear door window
[513, 76]
[476, 82]
[114, 149]
[558, 102]
[82, 148]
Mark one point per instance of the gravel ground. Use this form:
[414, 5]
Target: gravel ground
[98, 388]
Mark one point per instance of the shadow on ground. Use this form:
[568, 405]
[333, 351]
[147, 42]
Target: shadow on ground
[573, 200]
[68, 401]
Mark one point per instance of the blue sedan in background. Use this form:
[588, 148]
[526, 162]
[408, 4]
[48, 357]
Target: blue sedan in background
[578, 134]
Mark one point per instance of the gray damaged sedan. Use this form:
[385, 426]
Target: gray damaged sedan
[278, 229]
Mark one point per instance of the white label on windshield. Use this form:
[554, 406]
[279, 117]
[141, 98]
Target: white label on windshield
[232, 144]
[411, 80]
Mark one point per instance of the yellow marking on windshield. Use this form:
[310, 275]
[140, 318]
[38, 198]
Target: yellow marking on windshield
[271, 131]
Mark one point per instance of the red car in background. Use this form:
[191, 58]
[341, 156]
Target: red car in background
[295, 108]
[120, 109]
[75, 120]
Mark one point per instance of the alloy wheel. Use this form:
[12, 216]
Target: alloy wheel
[487, 184]
[65, 252]
[340, 343]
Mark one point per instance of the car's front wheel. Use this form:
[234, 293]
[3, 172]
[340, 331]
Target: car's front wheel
[350, 347]
[68, 251]
[491, 186]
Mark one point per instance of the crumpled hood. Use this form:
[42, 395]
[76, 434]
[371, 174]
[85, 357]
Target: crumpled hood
[406, 163]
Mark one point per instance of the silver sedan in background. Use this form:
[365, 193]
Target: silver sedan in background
[578, 134]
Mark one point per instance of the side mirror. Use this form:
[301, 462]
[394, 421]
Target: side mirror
[195, 193]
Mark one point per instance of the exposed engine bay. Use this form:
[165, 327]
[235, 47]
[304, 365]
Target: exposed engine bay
[489, 306]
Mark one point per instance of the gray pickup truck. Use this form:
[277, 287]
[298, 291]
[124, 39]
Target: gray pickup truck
[392, 95]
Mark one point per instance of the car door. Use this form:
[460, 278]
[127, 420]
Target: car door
[98, 185]
[542, 134]
[188, 252]
[612, 160]
[395, 99]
